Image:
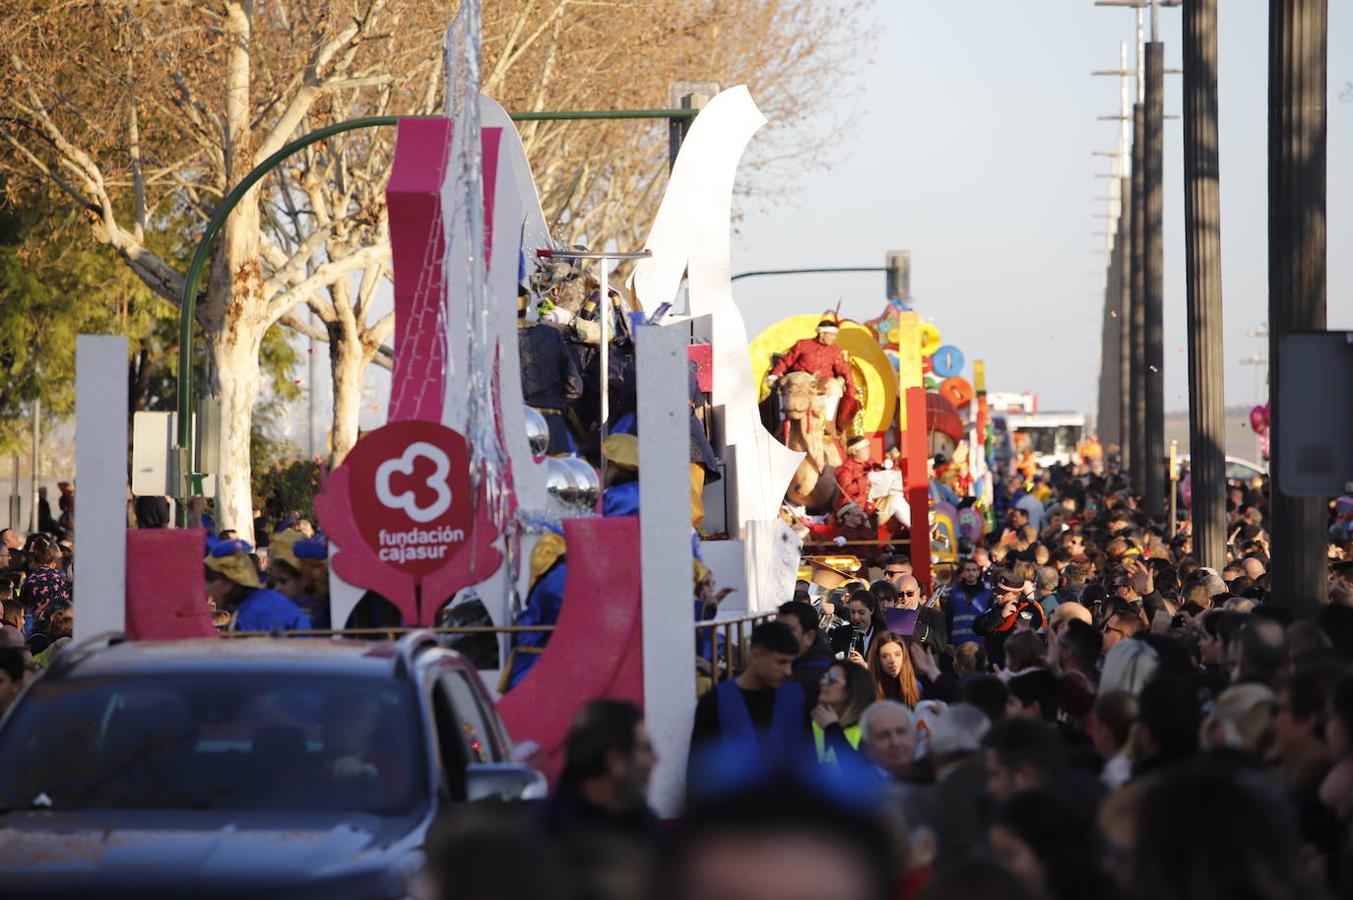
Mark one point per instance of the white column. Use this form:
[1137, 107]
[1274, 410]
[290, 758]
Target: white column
[665, 540]
[100, 484]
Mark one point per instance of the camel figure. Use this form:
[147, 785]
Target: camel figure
[804, 429]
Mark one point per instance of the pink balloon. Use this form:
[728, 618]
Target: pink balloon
[1259, 419]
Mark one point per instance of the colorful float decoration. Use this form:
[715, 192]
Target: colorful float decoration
[877, 353]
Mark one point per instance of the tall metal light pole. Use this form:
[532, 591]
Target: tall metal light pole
[1137, 316]
[1147, 384]
[1202, 223]
[1153, 275]
[1297, 73]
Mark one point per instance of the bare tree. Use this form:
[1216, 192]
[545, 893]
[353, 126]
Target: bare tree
[140, 110]
[147, 112]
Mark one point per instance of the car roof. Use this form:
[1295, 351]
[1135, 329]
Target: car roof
[318, 656]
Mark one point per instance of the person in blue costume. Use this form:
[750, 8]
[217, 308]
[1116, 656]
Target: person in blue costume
[232, 583]
[621, 497]
[545, 599]
[303, 581]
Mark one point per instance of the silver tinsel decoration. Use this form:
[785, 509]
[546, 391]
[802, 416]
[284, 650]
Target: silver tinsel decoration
[489, 466]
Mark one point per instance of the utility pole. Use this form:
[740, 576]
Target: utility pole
[1297, 73]
[685, 95]
[1136, 389]
[1153, 277]
[1145, 444]
[1116, 353]
[1202, 225]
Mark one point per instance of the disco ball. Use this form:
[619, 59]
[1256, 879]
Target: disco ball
[559, 481]
[537, 432]
[587, 483]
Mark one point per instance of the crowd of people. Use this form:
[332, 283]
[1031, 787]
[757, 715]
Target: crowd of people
[36, 616]
[1084, 711]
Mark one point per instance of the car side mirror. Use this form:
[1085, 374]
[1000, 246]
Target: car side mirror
[504, 781]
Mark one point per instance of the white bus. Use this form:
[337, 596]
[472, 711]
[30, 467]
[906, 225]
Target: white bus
[1052, 436]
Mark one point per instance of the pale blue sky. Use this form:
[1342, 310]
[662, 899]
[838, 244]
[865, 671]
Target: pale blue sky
[972, 148]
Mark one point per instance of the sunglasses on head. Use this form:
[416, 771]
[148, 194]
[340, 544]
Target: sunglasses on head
[833, 678]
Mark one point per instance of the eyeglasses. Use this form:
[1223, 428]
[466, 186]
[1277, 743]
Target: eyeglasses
[909, 593]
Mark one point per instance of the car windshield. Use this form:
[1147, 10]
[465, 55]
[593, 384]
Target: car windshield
[214, 742]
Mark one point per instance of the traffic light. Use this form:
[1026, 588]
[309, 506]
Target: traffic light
[899, 275]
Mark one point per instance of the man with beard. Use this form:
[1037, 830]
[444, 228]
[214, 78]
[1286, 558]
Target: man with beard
[968, 599]
[608, 757]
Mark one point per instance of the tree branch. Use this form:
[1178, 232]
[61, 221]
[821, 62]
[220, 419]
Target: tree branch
[383, 357]
[324, 275]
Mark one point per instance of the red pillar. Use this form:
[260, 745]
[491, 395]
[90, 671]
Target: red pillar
[918, 484]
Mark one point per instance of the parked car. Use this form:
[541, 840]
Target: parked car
[1237, 469]
[225, 767]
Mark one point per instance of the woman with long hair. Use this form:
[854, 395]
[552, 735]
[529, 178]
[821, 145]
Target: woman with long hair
[844, 693]
[890, 664]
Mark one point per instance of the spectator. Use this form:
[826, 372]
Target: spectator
[1067, 611]
[866, 623]
[968, 599]
[845, 692]
[1047, 842]
[1124, 621]
[1241, 842]
[778, 840]
[1022, 755]
[888, 738]
[1168, 722]
[762, 706]
[1046, 581]
[1034, 694]
[608, 757]
[988, 693]
[490, 853]
[1024, 651]
[1336, 791]
[1012, 609]
[969, 659]
[1300, 706]
[12, 669]
[930, 625]
[46, 583]
[955, 804]
[58, 624]
[890, 664]
[814, 655]
[1111, 724]
[1241, 721]
[1259, 652]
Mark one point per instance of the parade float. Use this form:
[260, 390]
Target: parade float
[454, 511]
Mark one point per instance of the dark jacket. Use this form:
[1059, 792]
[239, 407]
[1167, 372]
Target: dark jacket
[567, 812]
[809, 669]
[997, 628]
[931, 629]
[550, 380]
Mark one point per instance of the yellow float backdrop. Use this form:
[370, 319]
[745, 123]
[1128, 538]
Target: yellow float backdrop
[873, 372]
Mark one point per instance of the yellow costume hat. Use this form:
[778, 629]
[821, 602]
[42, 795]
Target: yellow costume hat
[546, 552]
[623, 450]
[281, 548]
[237, 567]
